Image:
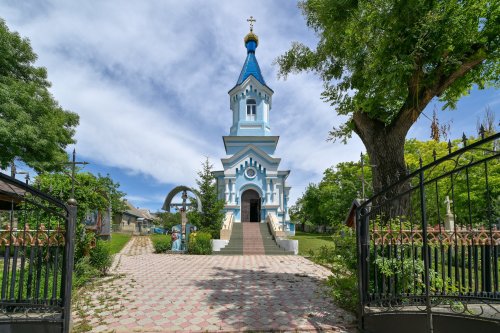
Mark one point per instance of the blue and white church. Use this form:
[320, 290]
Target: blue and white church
[251, 183]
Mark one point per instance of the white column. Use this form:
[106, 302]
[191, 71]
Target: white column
[233, 193]
[226, 192]
[268, 190]
[275, 191]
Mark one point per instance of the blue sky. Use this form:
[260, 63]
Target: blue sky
[149, 80]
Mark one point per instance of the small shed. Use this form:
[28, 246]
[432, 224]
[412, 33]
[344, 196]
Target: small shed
[350, 220]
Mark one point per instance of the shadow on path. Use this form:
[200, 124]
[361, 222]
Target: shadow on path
[260, 300]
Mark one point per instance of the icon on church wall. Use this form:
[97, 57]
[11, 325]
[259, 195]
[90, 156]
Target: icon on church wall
[250, 173]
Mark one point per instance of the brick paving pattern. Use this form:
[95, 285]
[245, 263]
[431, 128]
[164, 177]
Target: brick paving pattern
[169, 292]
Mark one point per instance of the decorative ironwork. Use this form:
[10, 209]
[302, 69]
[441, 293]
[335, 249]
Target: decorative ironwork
[429, 243]
[437, 236]
[35, 244]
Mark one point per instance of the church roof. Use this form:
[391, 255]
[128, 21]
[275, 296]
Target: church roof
[251, 66]
[242, 154]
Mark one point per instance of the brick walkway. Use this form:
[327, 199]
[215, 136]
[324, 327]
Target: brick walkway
[164, 293]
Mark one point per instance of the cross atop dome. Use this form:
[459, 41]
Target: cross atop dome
[251, 66]
[251, 20]
[251, 39]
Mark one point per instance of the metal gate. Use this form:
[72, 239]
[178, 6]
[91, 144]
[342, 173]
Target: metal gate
[428, 246]
[36, 259]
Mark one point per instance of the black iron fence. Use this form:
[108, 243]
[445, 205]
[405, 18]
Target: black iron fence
[36, 259]
[429, 245]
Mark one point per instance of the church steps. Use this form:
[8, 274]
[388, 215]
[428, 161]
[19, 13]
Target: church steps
[252, 239]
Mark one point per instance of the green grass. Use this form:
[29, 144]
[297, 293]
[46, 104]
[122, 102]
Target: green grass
[118, 241]
[158, 237]
[311, 241]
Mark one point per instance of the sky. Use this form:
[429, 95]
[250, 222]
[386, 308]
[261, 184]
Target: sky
[149, 80]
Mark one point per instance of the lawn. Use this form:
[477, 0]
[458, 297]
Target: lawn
[118, 241]
[311, 241]
[158, 237]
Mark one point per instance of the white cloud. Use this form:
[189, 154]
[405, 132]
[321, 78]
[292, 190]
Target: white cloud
[150, 80]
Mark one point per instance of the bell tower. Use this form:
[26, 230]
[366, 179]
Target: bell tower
[250, 99]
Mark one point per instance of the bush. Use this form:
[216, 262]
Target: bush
[83, 272]
[200, 243]
[342, 260]
[161, 243]
[101, 257]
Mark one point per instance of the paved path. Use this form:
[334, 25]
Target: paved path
[164, 292]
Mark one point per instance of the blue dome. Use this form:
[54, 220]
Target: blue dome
[251, 66]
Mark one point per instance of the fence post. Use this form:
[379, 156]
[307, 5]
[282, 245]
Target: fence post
[425, 250]
[362, 228]
[69, 253]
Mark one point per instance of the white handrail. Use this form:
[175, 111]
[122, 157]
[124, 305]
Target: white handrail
[275, 226]
[228, 222]
[227, 226]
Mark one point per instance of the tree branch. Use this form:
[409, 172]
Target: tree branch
[418, 99]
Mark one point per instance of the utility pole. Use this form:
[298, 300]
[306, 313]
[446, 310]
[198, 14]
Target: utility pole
[73, 164]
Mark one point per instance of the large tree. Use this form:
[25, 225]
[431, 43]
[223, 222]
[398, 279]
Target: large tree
[33, 127]
[328, 202]
[383, 61]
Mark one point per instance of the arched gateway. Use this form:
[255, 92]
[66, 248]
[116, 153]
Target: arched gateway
[250, 206]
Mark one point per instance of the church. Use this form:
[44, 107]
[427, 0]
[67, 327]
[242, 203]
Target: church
[251, 184]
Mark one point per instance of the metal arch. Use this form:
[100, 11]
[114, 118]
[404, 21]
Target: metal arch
[175, 191]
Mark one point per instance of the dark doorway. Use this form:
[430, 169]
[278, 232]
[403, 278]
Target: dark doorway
[250, 206]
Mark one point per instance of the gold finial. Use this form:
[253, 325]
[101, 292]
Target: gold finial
[251, 20]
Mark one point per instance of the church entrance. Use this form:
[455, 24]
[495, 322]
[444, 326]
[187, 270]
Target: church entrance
[250, 206]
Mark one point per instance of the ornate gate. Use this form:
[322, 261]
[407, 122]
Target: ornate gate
[428, 246]
[36, 259]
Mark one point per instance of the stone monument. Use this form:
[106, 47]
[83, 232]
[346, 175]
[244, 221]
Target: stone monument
[449, 221]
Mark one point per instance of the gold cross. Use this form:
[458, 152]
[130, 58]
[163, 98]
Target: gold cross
[251, 20]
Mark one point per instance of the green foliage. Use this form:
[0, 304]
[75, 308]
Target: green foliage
[92, 193]
[212, 215]
[341, 258]
[481, 197]
[33, 127]
[410, 273]
[386, 58]
[100, 256]
[161, 243]
[383, 61]
[200, 243]
[84, 272]
[168, 220]
[327, 203]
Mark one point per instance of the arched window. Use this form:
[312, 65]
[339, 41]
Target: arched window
[251, 109]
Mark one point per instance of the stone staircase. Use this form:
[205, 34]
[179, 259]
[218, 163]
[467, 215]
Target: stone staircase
[252, 238]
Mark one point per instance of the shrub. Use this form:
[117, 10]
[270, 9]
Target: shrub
[101, 257]
[342, 260]
[83, 272]
[161, 243]
[200, 243]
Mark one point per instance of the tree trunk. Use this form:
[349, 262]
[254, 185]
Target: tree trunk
[385, 147]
